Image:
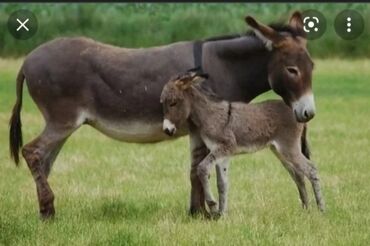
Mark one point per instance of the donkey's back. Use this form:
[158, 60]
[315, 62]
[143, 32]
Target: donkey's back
[116, 90]
[256, 125]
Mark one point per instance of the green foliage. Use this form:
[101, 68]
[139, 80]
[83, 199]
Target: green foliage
[112, 193]
[149, 24]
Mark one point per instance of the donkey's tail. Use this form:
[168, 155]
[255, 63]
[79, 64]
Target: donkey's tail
[304, 143]
[15, 132]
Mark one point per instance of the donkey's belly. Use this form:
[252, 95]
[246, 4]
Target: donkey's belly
[132, 131]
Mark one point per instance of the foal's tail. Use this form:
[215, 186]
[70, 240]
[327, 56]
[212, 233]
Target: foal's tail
[15, 132]
[304, 143]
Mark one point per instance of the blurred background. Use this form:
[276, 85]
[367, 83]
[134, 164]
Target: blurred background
[149, 24]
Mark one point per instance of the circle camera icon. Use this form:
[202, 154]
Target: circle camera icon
[314, 24]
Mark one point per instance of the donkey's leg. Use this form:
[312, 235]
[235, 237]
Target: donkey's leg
[48, 163]
[295, 172]
[222, 169]
[198, 152]
[311, 173]
[39, 155]
[298, 177]
[217, 155]
[203, 172]
[306, 167]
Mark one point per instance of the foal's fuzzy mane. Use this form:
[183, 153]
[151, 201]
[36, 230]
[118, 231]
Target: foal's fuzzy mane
[206, 90]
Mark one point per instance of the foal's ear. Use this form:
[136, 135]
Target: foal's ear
[200, 78]
[183, 84]
[269, 36]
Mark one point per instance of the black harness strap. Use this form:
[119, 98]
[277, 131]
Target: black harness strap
[197, 55]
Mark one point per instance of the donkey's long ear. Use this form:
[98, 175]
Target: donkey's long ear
[296, 21]
[269, 36]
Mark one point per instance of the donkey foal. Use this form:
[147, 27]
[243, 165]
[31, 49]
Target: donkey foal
[229, 128]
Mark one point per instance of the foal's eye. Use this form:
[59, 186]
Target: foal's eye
[292, 70]
[172, 104]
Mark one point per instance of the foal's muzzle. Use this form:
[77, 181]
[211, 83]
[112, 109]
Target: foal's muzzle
[304, 108]
[168, 127]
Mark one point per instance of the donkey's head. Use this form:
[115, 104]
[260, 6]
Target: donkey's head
[176, 102]
[290, 66]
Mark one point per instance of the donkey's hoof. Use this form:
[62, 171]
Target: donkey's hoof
[199, 212]
[47, 213]
[194, 211]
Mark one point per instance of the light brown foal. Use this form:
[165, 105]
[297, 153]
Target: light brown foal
[230, 128]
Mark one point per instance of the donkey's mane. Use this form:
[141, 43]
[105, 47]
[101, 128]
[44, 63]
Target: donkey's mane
[223, 37]
[238, 42]
[239, 45]
[279, 27]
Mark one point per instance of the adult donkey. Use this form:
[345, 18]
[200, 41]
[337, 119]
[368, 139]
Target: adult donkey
[76, 81]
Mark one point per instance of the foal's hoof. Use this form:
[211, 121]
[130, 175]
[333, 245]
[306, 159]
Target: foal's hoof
[216, 215]
[322, 209]
[213, 208]
[47, 213]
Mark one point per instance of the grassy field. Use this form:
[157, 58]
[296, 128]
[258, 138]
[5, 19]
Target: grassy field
[116, 193]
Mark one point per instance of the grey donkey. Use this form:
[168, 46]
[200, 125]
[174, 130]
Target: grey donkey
[230, 128]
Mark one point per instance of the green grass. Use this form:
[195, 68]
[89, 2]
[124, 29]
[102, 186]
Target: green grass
[117, 193]
[148, 24]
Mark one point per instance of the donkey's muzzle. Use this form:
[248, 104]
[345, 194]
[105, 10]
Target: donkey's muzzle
[168, 127]
[304, 116]
[169, 132]
[304, 108]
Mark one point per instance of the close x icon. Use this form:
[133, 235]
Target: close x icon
[22, 24]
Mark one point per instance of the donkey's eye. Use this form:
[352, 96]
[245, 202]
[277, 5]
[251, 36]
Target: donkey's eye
[172, 104]
[293, 70]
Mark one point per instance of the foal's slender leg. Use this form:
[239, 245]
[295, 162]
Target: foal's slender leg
[198, 152]
[203, 174]
[295, 172]
[39, 155]
[298, 177]
[305, 166]
[311, 173]
[204, 171]
[222, 169]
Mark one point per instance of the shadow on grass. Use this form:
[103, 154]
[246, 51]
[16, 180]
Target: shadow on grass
[116, 210]
[149, 210]
[130, 237]
[16, 228]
